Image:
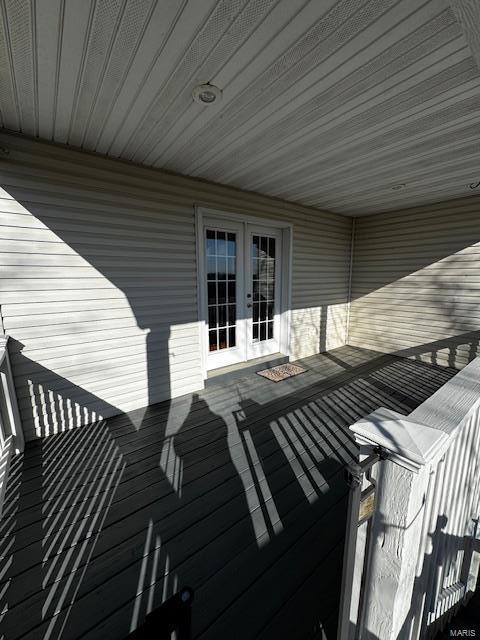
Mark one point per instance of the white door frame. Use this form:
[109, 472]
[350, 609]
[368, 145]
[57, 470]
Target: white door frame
[286, 269]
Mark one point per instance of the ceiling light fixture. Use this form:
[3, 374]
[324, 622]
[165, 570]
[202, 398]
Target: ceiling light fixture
[207, 94]
[397, 187]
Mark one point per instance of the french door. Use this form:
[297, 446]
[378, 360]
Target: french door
[243, 290]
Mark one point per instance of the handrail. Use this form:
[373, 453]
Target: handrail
[426, 514]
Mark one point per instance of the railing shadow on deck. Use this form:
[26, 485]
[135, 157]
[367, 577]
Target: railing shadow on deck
[263, 479]
[185, 536]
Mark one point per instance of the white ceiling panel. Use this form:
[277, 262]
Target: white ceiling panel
[332, 103]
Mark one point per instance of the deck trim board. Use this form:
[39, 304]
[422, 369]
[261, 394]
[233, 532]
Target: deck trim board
[253, 459]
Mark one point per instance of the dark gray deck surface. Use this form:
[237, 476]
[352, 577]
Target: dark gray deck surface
[238, 492]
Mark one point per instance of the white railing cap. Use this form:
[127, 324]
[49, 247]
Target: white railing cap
[452, 402]
[410, 444]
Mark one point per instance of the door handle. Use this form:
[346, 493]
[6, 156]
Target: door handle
[249, 305]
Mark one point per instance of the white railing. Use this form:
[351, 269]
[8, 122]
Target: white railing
[450, 560]
[11, 435]
[422, 559]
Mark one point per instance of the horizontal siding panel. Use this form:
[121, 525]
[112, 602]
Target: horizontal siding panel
[56, 260]
[422, 295]
[387, 306]
[440, 270]
[428, 333]
[105, 229]
[88, 316]
[101, 296]
[468, 280]
[28, 367]
[85, 249]
[412, 292]
[89, 367]
[422, 317]
[104, 237]
[98, 288]
[438, 210]
[85, 272]
[108, 376]
[112, 305]
[416, 282]
[49, 210]
[441, 244]
[108, 371]
[405, 257]
[55, 337]
[442, 228]
[50, 350]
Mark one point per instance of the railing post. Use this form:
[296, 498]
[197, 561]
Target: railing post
[11, 434]
[10, 415]
[356, 538]
[402, 482]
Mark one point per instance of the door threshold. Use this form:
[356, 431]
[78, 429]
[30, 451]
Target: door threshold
[242, 369]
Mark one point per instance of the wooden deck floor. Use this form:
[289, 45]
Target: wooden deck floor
[238, 492]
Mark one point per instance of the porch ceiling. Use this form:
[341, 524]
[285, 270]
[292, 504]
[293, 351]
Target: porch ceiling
[333, 104]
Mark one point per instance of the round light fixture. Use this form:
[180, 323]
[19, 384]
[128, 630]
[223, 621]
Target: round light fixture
[397, 187]
[207, 94]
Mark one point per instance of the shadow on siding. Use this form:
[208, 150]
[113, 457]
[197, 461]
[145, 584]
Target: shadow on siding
[416, 278]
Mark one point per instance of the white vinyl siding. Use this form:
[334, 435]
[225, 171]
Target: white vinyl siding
[98, 285]
[416, 282]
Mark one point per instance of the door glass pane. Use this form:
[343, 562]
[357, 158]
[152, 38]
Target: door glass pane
[210, 243]
[231, 244]
[222, 289]
[263, 286]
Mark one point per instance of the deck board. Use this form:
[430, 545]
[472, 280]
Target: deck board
[237, 491]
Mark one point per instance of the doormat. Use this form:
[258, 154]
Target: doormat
[282, 372]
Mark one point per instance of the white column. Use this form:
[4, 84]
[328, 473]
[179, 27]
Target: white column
[402, 482]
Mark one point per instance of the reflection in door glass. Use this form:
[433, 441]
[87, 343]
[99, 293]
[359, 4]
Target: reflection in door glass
[263, 286]
[221, 289]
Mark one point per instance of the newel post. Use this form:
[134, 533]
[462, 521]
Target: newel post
[402, 481]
